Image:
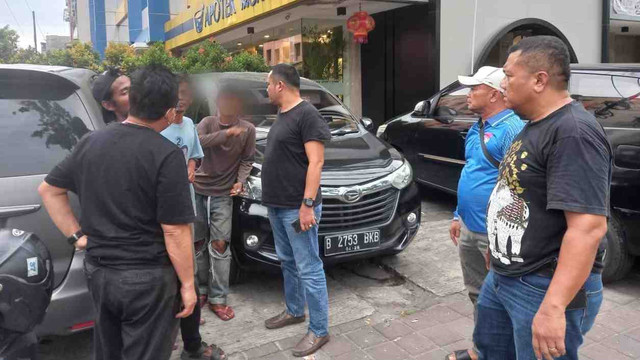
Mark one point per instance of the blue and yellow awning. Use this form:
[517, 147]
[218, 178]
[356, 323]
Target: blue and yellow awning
[209, 17]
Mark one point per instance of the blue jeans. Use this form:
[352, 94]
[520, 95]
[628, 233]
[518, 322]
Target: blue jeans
[302, 268]
[506, 308]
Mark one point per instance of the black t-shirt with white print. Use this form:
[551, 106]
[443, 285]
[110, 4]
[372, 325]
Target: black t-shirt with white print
[560, 163]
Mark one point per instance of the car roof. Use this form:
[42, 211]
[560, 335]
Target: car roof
[249, 79]
[607, 67]
[75, 75]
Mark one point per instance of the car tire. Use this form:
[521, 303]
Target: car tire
[236, 273]
[617, 260]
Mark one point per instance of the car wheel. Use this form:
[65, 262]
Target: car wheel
[617, 260]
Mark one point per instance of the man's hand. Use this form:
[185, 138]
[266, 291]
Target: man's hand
[191, 174]
[548, 328]
[189, 299]
[236, 189]
[307, 218]
[81, 244]
[235, 131]
[454, 231]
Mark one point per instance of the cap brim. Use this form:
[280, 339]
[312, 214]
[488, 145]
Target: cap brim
[468, 81]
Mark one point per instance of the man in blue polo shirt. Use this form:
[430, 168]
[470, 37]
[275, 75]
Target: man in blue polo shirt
[497, 128]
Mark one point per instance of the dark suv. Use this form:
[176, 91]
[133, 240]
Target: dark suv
[371, 206]
[432, 139]
[44, 111]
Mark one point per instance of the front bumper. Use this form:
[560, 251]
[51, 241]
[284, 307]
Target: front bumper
[250, 218]
[71, 308]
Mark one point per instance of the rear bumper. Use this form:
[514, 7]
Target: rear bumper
[250, 218]
[71, 305]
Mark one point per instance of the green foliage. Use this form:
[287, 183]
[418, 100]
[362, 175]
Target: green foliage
[8, 43]
[321, 53]
[27, 56]
[117, 53]
[245, 61]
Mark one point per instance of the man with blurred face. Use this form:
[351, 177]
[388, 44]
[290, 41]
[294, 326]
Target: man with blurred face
[111, 91]
[229, 147]
[485, 145]
[546, 216]
[291, 172]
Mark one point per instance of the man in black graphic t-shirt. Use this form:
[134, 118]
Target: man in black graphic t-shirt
[546, 216]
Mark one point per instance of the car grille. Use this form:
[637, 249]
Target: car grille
[374, 209]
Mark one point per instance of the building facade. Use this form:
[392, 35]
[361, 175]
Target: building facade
[416, 47]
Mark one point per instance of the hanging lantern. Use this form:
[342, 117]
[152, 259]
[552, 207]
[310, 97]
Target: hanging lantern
[360, 24]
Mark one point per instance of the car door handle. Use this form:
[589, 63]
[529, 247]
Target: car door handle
[10, 211]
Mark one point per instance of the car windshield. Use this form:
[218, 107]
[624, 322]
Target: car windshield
[256, 108]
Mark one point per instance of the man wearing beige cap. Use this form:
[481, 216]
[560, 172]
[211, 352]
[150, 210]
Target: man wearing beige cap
[486, 143]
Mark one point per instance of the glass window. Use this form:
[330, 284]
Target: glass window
[457, 102]
[612, 98]
[39, 126]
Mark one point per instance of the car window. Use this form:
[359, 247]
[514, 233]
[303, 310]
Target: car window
[455, 101]
[612, 98]
[257, 109]
[39, 126]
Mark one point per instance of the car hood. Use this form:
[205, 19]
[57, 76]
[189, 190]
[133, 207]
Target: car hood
[351, 159]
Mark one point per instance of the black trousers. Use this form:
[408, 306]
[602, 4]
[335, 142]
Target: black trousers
[135, 312]
[190, 328]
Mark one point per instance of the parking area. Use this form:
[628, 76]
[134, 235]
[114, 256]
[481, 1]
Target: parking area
[408, 306]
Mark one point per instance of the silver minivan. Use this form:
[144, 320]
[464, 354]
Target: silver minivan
[44, 111]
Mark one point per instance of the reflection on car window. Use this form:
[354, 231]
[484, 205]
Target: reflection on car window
[38, 133]
[456, 101]
[605, 95]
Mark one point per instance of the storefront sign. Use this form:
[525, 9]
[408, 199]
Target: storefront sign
[214, 16]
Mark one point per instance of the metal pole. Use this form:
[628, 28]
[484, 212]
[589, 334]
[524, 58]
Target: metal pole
[35, 38]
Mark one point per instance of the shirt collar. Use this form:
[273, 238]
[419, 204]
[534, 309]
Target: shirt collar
[492, 121]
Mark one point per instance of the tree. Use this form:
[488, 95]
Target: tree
[83, 56]
[8, 44]
[245, 61]
[27, 56]
[116, 54]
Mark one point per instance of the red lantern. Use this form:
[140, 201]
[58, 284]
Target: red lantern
[360, 24]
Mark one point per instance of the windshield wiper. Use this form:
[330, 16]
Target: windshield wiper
[344, 132]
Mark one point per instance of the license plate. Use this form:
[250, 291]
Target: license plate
[346, 243]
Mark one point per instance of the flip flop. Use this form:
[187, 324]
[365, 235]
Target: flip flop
[225, 313]
[459, 355]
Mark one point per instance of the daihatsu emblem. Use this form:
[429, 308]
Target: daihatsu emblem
[352, 195]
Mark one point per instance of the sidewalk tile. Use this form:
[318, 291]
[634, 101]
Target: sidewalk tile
[288, 343]
[623, 344]
[237, 356]
[263, 350]
[393, 329]
[631, 316]
[441, 335]
[599, 332]
[462, 307]
[458, 345]
[442, 313]
[463, 326]
[338, 346]
[601, 352]
[419, 320]
[282, 355]
[366, 337]
[354, 355]
[415, 344]
[634, 334]
[613, 322]
[437, 354]
[387, 351]
[352, 325]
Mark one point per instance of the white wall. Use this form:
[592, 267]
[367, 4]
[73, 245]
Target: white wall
[84, 23]
[579, 20]
[177, 6]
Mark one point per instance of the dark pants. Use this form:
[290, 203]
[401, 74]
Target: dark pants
[190, 328]
[135, 312]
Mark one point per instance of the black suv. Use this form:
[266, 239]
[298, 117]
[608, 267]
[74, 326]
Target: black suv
[432, 139]
[371, 206]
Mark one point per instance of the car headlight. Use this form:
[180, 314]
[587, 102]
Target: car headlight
[252, 189]
[402, 177]
[381, 130]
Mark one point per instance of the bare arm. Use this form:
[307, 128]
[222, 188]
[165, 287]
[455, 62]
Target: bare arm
[177, 239]
[191, 169]
[56, 201]
[577, 254]
[315, 154]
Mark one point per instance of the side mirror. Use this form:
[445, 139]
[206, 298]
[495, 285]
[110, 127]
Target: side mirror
[444, 114]
[421, 109]
[367, 123]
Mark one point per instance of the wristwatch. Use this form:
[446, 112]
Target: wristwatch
[73, 239]
[308, 202]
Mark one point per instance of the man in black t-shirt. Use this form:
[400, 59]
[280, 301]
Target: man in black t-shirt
[546, 216]
[291, 171]
[135, 224]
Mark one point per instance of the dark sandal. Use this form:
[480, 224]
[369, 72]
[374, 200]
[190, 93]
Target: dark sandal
[459, 355]
[216, 353]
